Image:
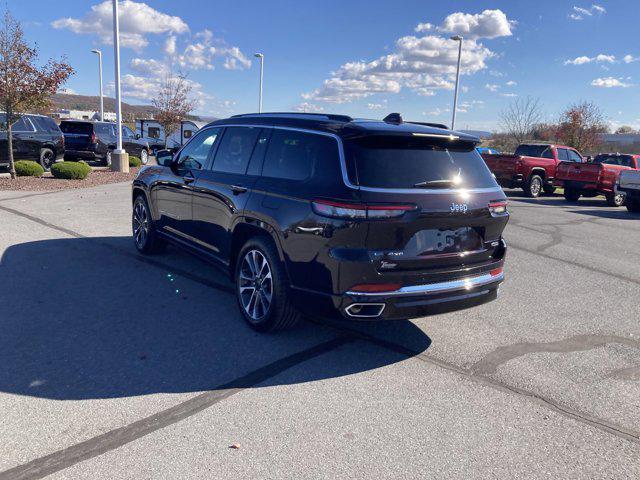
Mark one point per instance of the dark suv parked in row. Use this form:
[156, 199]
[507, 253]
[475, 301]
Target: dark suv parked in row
[323, 214]
[35, 137]
[87, 140]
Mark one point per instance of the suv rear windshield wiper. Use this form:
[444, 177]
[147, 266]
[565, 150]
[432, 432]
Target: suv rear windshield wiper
[437, 183]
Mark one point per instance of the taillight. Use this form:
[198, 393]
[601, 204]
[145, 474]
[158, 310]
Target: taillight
[330, 208]
[93, 137]
[498, 207]
[375, 287]
[496, 272]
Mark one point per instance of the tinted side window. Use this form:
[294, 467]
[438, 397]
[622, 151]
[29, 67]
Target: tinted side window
[194, 155]
[563, 156]
[127, 132]
[103, 130]
[22, 125]
[295, 155]
[51, 124]
[548, 153]
[235, 149]
[574, 157]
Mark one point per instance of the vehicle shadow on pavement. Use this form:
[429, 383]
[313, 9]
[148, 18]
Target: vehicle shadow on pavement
[620, 213]
[88, 318]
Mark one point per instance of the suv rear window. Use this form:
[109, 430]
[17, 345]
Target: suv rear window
[539, 151]
[76, 127]
[404, 162]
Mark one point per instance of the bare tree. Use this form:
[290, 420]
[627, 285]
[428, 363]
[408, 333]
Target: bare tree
[173, 103]
[520, 118]
[24, 85]
[581, 126]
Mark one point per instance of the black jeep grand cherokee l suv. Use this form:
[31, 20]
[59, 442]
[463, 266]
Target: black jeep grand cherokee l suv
[326, 215]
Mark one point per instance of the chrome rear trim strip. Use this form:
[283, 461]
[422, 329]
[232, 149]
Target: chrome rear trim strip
[433, 288]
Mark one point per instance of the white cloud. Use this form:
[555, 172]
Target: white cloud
[422, 64]
[509, 95]
[170, 46]
[137, 20]
[600, 58]
[492, 87]
[630, 59]
[307, 107]
[437, 112]
[511, 83]
[375, 106]
[609, 82]
[580, 13]
[423, 27]
[488, 24]
[67, 91]
[200, 55]
[148, 66]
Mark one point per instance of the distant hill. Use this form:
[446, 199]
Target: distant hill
[87, 102]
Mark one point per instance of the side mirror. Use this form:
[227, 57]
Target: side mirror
[164, 158]
[137, 136]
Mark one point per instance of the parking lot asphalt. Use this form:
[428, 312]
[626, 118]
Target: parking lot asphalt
[121, 366]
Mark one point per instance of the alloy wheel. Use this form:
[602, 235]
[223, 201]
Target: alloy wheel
[140, 224]
[144, 157]
[255, 285]
[536, 186]
[47, 160]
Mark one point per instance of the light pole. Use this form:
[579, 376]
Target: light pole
[457, 38]
[99, 53]
[261, 57]
[119, 158]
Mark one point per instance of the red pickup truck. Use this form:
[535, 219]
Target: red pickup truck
[597, 177]
[531, 167]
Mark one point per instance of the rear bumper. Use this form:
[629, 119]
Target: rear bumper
[84, 154]
[410, 301]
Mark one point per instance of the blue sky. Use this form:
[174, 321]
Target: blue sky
[360, 57]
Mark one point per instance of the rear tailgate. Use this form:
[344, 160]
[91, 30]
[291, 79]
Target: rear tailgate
[451, 226]
[501, 165]
[447, 231]
[77, 135]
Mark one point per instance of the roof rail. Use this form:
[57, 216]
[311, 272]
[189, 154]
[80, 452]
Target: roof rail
[328, 116]
[429, 124]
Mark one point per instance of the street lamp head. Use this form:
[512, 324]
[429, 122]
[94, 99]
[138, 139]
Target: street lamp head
[96, 51]
[457, 38]
[258, 55]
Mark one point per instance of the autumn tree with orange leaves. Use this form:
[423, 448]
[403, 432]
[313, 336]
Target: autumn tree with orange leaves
[23, 84]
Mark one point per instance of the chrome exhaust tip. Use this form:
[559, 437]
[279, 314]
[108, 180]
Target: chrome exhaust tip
[365, 310]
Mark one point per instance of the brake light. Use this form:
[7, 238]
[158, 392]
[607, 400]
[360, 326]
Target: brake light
[496, 272]
[498, 207]
[329, 208]
[375, 287]
[93, 137]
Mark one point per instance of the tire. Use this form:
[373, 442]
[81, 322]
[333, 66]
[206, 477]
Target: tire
[145, 236]
[633, 205]
[270, 310]
[549, 189]
[615, 199]
[144, 156]
[107, 158]
[571, 194]
[534, 186]
[47, 158]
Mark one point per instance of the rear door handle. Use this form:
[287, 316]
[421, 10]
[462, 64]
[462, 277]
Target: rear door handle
[238, 189]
